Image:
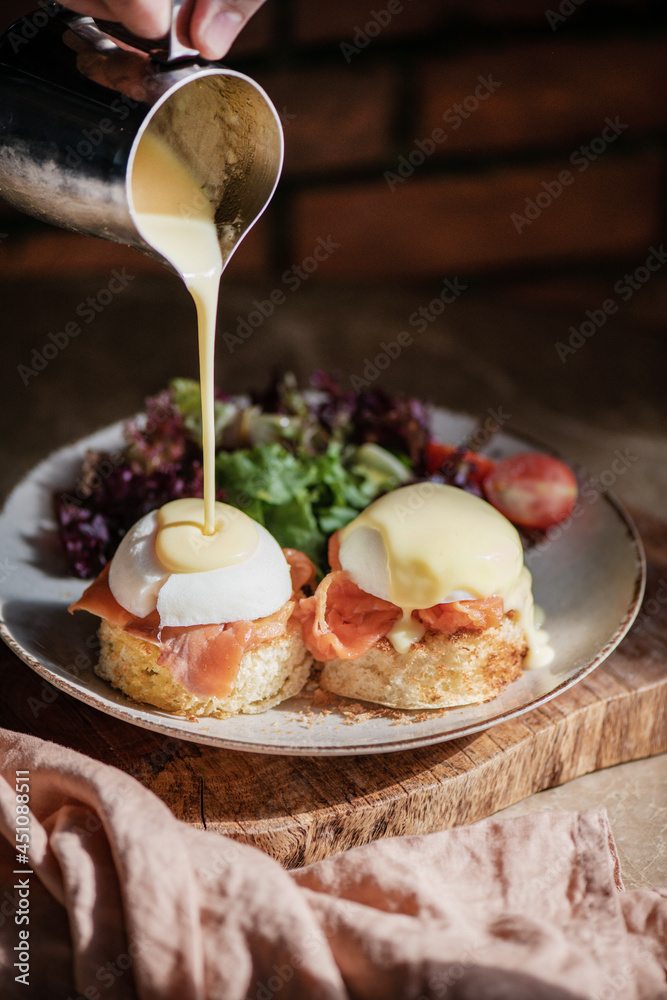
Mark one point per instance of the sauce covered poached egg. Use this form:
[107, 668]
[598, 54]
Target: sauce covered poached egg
[429, 544]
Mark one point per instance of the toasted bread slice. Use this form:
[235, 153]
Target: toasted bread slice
[437, 672]
[268, 674]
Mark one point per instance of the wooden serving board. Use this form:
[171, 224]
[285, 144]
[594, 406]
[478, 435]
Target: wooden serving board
[301, 809]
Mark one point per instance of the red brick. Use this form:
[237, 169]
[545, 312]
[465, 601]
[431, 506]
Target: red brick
[586, 291]
[318, 22]
[521, 11]
[549, 93]
[324, 22]
[333, 117]
[257, 35]
[252, 258]
[444, 225]
[560, 291]
[53, 252]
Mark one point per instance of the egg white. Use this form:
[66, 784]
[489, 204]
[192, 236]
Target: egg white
[246, 591]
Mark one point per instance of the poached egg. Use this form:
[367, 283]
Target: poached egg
[167, 562]
[428, 544]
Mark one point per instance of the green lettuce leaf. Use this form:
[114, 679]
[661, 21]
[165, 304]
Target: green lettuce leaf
[303, 498]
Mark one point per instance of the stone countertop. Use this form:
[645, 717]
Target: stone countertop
[602, 404]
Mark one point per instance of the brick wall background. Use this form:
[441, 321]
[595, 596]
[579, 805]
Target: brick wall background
[422, 135]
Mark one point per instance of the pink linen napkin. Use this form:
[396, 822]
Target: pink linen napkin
[124, 901]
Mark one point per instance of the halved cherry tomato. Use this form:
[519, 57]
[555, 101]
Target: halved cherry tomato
[437, 454]
[532, 490]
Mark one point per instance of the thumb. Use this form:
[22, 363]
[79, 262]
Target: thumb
[215, 24]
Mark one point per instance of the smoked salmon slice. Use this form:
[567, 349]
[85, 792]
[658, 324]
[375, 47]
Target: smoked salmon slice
[333, 551]
[449, 618]
[342, 621]
[302, 569]
[205, 659]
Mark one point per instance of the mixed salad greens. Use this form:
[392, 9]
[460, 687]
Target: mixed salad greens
[302, 463]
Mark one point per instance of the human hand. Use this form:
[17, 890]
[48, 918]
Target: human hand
[210, 26]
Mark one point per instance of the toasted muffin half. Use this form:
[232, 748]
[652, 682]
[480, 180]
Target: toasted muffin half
[239, 667]
[268, 674]
[438, 671]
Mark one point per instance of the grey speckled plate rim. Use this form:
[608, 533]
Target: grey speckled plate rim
[132, 713]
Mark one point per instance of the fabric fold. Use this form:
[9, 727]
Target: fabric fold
[128, 902]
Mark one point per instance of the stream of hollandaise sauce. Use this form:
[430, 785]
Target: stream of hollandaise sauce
[176, 218]
[457, 547]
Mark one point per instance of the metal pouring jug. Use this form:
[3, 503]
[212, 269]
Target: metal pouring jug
[74, 105]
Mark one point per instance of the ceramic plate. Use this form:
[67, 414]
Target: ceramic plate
[589, 579]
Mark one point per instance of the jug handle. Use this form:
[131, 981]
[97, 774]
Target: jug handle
[167, 49]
